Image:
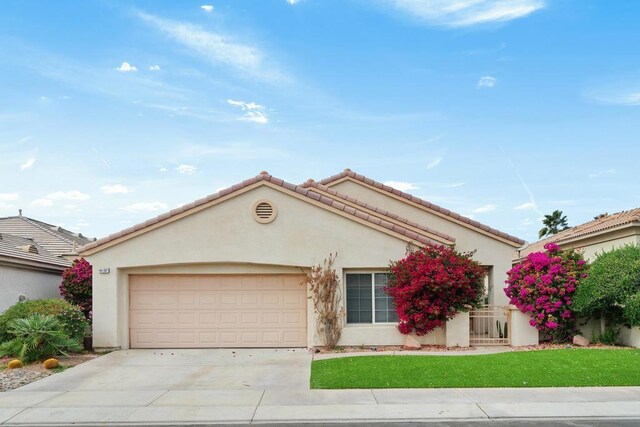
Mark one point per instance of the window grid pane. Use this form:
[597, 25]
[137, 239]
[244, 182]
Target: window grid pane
[385, 310]
[359, 288]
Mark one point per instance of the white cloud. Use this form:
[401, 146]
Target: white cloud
[163, 169]
[293, 1]
[599, 174]
[7, 197]
[487, 81]
[187, 169]
[115, 189]
[68, 195]
[207, 8]
[252, 112]
[154, 68]
[434, 163]
[126, 68]
[145, 207]
[216, 48]
[28, 163]
[464, 13]
[526, 206]
[42, 202]
[402, 186]
[485, 208]
[526, 222]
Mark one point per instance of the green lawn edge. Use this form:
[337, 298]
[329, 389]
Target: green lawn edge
[541, 368]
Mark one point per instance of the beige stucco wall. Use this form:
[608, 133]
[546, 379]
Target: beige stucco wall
[35, 284]
[489, 251]
[606, 242]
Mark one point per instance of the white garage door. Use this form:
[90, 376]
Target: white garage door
[190, 311]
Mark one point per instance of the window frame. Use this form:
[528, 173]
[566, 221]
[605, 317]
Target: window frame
[372, 273]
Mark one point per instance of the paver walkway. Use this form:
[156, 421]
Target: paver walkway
[271, 386]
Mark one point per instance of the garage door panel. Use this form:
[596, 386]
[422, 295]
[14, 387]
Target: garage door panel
[217, 311]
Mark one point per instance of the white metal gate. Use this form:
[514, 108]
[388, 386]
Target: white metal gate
[489, 325]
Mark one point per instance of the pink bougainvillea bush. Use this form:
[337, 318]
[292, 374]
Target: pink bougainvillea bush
[432, 285]
[543, 286]
[76, 285]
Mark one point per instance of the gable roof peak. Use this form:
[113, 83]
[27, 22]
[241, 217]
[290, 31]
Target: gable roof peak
[470, 223]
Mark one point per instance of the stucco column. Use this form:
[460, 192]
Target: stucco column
[522, 333]
[457, 331]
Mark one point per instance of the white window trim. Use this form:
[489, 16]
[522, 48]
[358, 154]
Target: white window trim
[373, 296]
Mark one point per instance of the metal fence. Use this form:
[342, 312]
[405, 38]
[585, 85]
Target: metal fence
[489, 325]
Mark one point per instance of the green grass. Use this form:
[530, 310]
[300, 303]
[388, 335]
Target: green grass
[546, 368]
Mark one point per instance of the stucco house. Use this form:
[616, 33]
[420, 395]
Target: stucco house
[33, 255]
[225, 270]
[604, 233]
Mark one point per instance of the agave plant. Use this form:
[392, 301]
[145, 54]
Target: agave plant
[37, 337]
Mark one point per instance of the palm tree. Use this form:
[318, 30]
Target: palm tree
[553, 224]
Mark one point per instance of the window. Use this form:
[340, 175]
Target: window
[367, 302]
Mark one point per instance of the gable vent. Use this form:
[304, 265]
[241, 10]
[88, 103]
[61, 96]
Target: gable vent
[264, 212]
[29, 248]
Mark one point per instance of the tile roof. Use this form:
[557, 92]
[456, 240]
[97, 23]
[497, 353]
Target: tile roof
[266, 177]
[21, 248]
[382, 212]
[605, 223]
[56, 240]
[348, 173]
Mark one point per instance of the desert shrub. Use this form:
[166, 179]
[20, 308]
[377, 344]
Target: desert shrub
[71, 317]
[37, 337]
[612, 285]
[543, 285]
[15, 364]
[433, 284]
[324, 285]
[50, 363]
[76, 286]
[610, 336]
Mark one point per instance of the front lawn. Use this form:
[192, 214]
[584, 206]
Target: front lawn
[547, 368]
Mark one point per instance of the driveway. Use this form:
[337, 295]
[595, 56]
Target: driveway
[219, 369]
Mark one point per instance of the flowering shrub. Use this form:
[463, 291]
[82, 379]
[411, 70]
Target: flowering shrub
[543, 286]
[76, 285]
[432, 285]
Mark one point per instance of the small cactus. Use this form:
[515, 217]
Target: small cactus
[15, 364]
[506, 330]
[499, 327]
[50, 363]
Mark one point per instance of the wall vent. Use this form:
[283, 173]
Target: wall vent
[264, 212]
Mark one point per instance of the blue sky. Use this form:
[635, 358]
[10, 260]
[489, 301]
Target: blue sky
[113, 112]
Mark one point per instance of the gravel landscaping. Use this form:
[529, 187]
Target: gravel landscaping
[13, 378]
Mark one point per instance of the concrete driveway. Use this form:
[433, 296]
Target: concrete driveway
[210, 369]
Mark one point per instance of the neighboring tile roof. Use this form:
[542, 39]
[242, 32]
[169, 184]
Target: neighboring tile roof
[605, 223]
[265, 176]
[21, 248]
[348, 173]
[55, 240]
[382, 212]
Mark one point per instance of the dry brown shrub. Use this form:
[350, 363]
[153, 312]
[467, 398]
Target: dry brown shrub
[324, 284]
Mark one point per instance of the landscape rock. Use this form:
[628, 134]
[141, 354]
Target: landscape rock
[580, 341]
[411, 343]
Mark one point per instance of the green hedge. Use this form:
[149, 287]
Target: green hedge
[612, 284]
[71, 317]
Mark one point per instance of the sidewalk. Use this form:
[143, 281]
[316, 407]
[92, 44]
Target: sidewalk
[308, 406]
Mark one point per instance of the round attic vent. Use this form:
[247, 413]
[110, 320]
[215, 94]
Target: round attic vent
[264, 212]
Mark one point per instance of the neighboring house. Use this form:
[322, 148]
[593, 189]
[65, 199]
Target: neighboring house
[225, 270]
[604, 233]
[33, 255]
